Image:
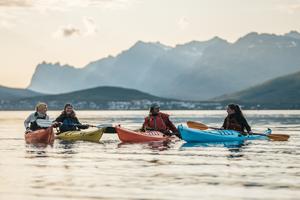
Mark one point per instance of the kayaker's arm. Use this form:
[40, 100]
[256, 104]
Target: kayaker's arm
[27, 121]
[170, 125]
[224, 123]
[145, 125]
[147, 129]
[79, 125]
[246, 125]
[59, 119]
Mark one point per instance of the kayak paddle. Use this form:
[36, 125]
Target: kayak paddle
[108, 128]
[47, 123]
[200, 126]
[44, 123]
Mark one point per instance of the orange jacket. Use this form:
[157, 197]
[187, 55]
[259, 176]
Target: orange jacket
[159, 122]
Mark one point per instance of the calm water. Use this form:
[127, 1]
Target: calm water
[110, 170]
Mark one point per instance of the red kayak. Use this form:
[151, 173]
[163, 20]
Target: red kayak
[42, 136]
[126, 135]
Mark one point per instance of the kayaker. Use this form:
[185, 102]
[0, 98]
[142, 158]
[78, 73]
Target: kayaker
[159, 121]
[68, 120]
[235, 119]
[40, 113]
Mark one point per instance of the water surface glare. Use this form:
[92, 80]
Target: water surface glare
[112, 170]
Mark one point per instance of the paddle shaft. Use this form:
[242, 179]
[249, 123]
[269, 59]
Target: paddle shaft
[198, 125]
[238, 131]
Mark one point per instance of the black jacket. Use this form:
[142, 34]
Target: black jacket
[237, 123]
[69, 123]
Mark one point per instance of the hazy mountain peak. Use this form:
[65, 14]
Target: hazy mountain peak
[7, 93]
[293, 34]
[285, 89]
[248, 37]
[142, 44]
[195, 45]
[254, 38]
[217, 39]
[194, 70]
[50, 64]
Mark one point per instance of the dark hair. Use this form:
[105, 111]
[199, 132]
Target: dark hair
[73, 114]
[237, 110]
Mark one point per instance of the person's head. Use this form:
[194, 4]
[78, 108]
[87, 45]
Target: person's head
[41, 108]
[154, 109]
[69, 110]
[234, 109]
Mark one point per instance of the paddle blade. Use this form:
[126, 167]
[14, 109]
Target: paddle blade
[109, 130]
[103, 125]
[196, 125]
[278, 137]
[44, 123]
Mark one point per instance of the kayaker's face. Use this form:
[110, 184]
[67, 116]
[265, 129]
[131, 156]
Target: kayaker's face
[155, 110]
[69, 110]
[43, 109]
[230, 111]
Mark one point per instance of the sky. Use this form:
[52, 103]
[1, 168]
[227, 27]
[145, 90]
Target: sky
[76, 32]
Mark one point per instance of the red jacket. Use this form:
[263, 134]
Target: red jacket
[160, 122]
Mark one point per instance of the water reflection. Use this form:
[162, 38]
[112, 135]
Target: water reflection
[36, 154]
[66, 146]
[234, 148]
[229, 145]
[35, 151]
[156, 145]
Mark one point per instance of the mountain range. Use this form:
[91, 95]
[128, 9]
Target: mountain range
[111, 98]
[7, 93]
[192, 71]
[279, 93]
[282, 92]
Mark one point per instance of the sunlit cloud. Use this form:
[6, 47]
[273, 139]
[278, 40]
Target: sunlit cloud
[67, 31]
[61, 4]
[183, 23]
[89, 29]
[290, 7]
[8, 20]
[16, 3]
[6, 24]
[90, 26]
[294, 8]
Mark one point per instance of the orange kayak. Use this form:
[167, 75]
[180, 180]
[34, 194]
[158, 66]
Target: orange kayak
[42, 136]
[126, 135]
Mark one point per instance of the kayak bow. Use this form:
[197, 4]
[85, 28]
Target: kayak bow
[126, 135]
[196, 135]
[92, 136]
[41, 136]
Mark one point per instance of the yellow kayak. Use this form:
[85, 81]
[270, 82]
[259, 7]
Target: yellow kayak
[92, 136]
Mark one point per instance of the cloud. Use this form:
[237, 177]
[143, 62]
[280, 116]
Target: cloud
[8, 20]
[183, 23]
[290, 7]
[61, 4]
[89, 28]
[6, 24]
[294, 8]
[16, 3]
[67, 31]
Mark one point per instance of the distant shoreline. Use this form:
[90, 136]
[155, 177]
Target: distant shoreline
[245, 109]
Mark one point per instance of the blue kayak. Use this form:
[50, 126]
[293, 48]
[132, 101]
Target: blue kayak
[196, 135]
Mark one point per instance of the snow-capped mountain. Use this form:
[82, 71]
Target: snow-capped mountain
[193, 71]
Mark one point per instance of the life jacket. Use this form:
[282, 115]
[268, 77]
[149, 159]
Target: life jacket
[33, 125]
[156, 122]
[68, 124]
[233, 124]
